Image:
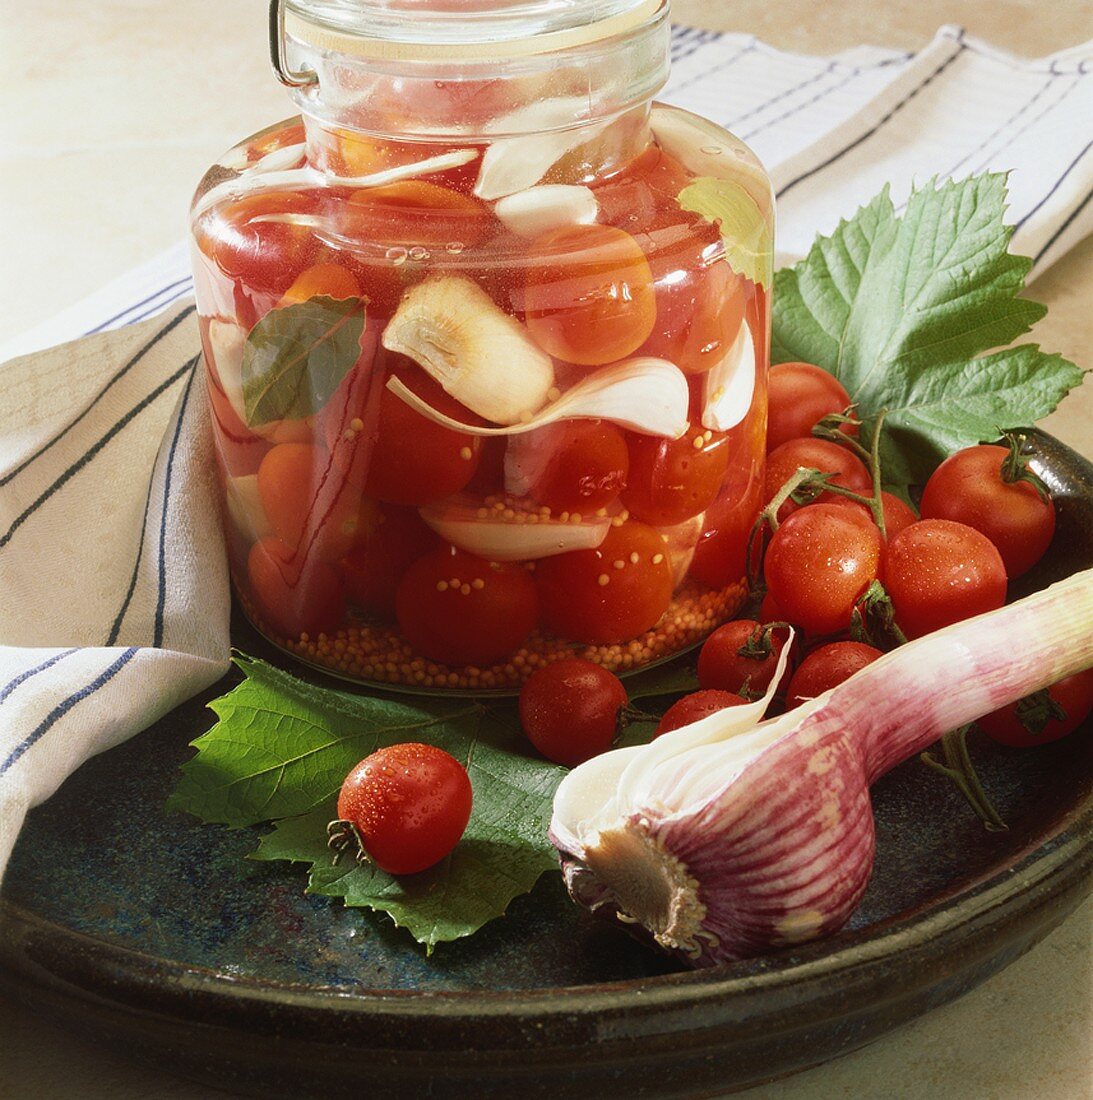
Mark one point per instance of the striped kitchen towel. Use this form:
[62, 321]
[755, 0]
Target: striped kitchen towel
[115, 593]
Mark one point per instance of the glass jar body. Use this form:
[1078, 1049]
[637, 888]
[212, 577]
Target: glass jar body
[480, 404]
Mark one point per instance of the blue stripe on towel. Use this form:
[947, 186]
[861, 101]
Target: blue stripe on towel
[175, 321]
[61, 709]
[136, 305]
[88, 455]
[157, 637]
[1063, 228]
[870, 132]
[1055, 187]
[12, 684]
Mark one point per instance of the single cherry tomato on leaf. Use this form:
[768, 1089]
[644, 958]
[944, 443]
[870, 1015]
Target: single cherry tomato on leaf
[409, 805]
[570, 710]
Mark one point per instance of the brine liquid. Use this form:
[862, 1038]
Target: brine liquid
[378, 540]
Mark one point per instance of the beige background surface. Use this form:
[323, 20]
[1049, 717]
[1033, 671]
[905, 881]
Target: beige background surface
[112, 112]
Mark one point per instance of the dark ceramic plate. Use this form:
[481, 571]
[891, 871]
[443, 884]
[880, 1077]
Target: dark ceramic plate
[151, 933]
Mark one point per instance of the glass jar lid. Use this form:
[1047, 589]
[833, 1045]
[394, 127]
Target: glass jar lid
[470, 29]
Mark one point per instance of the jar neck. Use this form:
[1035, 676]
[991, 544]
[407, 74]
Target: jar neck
[396, 94]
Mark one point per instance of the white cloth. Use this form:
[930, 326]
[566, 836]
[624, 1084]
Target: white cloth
[115, 596]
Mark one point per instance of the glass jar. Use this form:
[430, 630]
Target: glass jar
[487, 333]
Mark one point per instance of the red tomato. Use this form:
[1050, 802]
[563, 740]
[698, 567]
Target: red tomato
[610, 594]
[409, 803]
[671, 480]
[241, 452]
[940, 572]
[415, 212]
[398, 455]
[721, 665]
[719, 556]
[570, 710]
[820, 560]
[589, 294]
[800, 395]
[700, 301]
[1011, 725]
[969, 487]
[266, 255]
[574, 466]
[695, 707]
[382, 554]
[308, 501]
[827, 667]
[817, 454]
[458, 609]
[294, 596]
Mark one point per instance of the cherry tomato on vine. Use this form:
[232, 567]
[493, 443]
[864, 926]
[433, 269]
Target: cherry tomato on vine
[671, 480]
[1016, 724]
[589, 294]
[897, 513]
[610, 594]
[819, 562]
[939, 572]
[799, 396]
[721, 664]
[827, 667]
[817, 454]
[395, 453]
[409, 804]
[293, 595]
[456, 608]
[695, 707]
[970, 487]
[570, 710]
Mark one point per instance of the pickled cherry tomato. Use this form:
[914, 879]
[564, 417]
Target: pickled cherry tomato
[671, 480]
[456, 608]
[700, 305]
[610, 594]
[719, 557]
[329, 280]
[394, 452]
[384, 550]
[266, 254]
[308, 502]
[589, 294]
[415, 212]
[575, 466]
[292, 594]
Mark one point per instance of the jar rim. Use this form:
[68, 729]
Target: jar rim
[409, 30]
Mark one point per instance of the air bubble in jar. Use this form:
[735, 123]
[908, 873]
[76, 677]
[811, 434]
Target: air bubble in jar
[712, 150]
[397, 255]
[418, 253]
[456, 247]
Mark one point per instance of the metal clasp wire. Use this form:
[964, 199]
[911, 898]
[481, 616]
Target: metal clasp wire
[285, 75]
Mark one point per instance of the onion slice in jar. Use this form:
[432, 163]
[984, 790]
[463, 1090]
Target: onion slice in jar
[730, 385]
[305, 179]
[646, 395]
[244, 507]
[512, 533]
[681, 540]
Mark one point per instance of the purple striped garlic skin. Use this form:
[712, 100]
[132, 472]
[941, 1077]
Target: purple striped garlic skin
[732, 837]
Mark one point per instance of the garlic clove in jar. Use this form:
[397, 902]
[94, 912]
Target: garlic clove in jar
[730, 384]
[551, 206]
[481, 356]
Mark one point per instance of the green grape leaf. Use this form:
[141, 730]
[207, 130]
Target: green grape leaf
[903, 310]
[295, 357]
[744, 230]
[281, 749]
